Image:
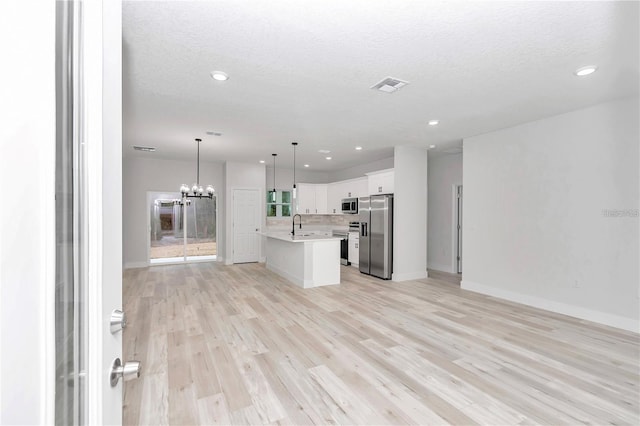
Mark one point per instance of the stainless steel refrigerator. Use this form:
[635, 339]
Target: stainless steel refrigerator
[376, 235]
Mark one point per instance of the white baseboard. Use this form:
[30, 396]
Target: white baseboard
[133, 265]
[408, 276]
[286, 275]
[441, 267]
[611, 320]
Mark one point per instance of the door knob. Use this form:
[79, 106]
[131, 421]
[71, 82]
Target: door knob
[129, 371]
[118, 321]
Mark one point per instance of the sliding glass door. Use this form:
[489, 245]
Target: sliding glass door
[201, 229]
[178, 233]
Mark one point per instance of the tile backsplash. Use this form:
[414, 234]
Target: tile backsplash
[339, 220]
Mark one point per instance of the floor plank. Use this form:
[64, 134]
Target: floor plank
[240, 345]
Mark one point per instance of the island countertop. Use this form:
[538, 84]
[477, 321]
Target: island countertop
[298, 238]
[312, 264]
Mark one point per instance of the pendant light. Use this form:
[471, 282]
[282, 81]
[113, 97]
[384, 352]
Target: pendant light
[273, 194]
[196, 190]
[295, 144]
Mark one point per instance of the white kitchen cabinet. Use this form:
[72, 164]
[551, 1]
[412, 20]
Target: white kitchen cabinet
[354, 188]
[337, 191]
[361, 187]
[321, 199]
[380, 182]
[306, 200]
[354, 248]
[334, 197]
[312, 198]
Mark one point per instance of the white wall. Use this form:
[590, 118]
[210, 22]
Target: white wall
[242, 176]
[27, 221]
[445, 171]
[410, 213]
[360, 170]
[534, 228]
[284, 177]
[141, 175]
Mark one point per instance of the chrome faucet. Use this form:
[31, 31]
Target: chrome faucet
[293, 224]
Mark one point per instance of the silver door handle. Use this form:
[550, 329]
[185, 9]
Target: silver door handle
[129, 371]
[118, 321]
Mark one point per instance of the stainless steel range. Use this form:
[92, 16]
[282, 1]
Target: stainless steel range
[344, 245]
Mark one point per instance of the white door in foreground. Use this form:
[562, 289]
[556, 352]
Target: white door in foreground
[246, 225]
[100, 138]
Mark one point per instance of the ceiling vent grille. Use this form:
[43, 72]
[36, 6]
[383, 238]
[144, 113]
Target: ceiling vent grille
[389, 84]
[144, 148]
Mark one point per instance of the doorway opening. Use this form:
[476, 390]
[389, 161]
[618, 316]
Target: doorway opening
[180, 233]
[458, 228]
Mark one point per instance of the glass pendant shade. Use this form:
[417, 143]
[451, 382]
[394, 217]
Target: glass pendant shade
[295, 144]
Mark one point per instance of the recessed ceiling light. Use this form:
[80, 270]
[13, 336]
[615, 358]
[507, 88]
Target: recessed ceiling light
[144, 148]
[219, 75]
[431, 146]
[582, 71]
[212, 133]
[306, 165]
[324, 151]
[358, 148]
[433, 122]
[261, 161]
[328, 158]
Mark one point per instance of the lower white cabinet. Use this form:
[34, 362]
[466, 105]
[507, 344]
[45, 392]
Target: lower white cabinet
[354, 248]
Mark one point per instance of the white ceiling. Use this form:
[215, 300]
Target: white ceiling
[301, 70]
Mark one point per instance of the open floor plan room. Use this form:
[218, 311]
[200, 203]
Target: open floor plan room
[241, 345]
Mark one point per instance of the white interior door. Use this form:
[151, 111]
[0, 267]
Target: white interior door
[100, 117]
[246, 225]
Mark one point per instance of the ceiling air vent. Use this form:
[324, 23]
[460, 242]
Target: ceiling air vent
[389, 84]
[144, 148]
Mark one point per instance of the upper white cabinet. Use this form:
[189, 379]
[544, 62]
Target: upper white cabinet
[360, 187]
[319, 198]
[337, 191]
[380, 182]
[334, 197]
[312, 198]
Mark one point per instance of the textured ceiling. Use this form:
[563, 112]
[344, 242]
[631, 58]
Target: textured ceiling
[301, 70]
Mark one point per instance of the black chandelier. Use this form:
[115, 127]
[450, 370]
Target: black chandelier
[197, 191]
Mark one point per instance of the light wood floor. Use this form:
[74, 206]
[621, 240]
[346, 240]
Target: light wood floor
[445, 276]
[239, 345]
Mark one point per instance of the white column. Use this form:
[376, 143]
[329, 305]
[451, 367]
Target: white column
[410, 213]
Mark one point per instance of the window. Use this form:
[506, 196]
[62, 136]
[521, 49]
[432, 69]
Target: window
[281, 207]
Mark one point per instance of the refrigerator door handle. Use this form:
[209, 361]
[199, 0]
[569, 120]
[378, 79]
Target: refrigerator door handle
[363, 232]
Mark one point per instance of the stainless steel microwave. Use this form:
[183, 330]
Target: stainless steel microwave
[350, 205]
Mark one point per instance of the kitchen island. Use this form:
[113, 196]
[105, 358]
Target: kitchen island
[306, 260]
